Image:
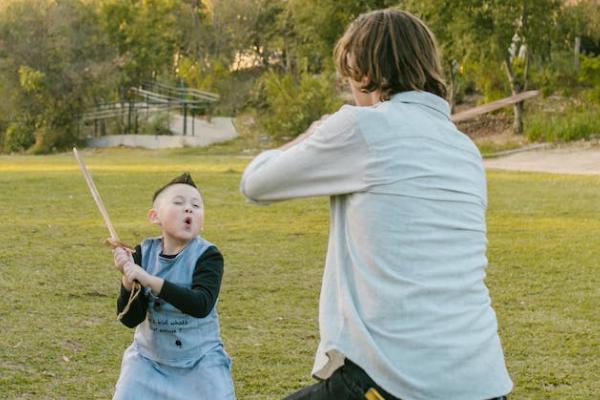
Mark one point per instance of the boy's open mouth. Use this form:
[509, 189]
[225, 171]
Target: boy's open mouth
[188, 220]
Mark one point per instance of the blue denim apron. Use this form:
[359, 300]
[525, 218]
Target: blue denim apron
[174, 355]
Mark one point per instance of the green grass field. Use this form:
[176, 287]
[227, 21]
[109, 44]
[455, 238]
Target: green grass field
[60, 338]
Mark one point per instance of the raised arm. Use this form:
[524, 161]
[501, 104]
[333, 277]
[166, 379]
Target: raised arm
[332, 160]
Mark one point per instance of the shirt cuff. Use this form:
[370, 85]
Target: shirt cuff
[252, 168]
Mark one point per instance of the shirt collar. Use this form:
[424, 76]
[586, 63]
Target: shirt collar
[424, 98]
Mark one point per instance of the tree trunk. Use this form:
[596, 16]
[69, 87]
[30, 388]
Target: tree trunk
[515, 89]
[197, 34]
[518, 126]
[515, 86]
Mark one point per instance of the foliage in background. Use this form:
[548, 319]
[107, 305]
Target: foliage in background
[291, 105]
[53, 60]
[58, 59]
[151, 36]
[559, 76]
[299, 86]
[558, 70]
[476, 36]
[489, 78]
[155, 124]
[454, 46]
[590, 76]
[576, 123]
[512, 35]
[315, 27]
[578, 18]
[19, 137]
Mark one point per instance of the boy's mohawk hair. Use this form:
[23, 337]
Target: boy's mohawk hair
[184, 178]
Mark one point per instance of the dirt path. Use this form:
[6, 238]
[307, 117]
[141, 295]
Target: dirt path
[581, 159]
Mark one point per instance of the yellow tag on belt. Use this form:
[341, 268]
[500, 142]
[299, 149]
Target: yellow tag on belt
[373, 394]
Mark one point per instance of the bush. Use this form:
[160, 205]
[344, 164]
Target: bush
[574, 124]
[590, 76]
[49, 139]
[291, 105]
[489, 77]
[58, 128]
[157, 123]
[558, 76]
[19, 137]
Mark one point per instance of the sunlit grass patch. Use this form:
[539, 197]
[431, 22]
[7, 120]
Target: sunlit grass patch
[60, 337]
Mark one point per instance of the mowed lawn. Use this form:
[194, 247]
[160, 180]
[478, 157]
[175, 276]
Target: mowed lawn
[60, 338]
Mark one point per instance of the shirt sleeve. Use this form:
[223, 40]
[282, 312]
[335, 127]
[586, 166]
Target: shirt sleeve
[330, 162]
[206, 283]
[137, 310]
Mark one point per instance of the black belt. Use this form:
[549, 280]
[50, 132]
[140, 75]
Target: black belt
[373, 391]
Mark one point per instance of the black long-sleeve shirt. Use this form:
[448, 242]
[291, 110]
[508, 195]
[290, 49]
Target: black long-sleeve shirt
[197, 301]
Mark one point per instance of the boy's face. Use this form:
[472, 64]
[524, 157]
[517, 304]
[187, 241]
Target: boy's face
[179, 211]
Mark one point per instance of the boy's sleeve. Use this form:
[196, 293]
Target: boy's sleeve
[137, 309]
[206, 283]
[331, 161]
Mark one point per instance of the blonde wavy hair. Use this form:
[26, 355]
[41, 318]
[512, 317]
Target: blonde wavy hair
[395, 50]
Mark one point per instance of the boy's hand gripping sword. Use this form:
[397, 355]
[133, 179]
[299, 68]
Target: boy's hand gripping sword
[114, 241]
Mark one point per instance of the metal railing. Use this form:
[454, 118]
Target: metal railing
[157, 97]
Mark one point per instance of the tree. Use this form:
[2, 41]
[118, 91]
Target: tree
[507, 33]
[521, 30]
[315, 27]
[448, 27]
[53, 61]
[150, 35]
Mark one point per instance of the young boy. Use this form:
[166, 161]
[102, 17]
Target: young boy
[177, 351]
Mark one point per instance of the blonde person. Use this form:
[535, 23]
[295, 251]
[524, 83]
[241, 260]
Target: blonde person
[177, 352]
[404, 312]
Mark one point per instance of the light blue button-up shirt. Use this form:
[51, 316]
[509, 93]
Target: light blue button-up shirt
[403, 292]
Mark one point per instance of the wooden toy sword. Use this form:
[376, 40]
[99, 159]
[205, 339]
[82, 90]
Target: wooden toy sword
[114, 238]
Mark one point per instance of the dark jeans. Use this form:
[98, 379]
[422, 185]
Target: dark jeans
[348, 382]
